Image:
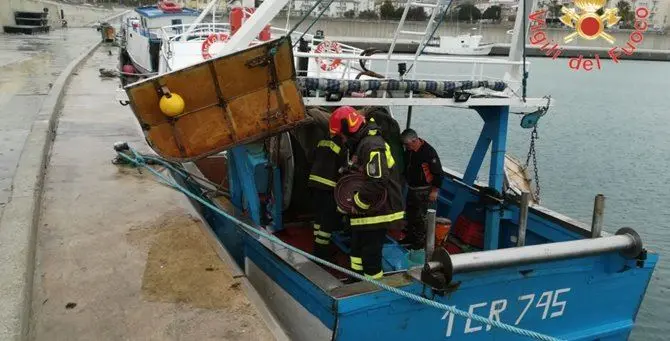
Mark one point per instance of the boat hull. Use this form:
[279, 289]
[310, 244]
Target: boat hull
[478, 51]
[462, 45]
[138, 47]
[587, 298]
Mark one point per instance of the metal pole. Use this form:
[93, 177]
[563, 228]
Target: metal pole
[288, 15]
[202, 16]
[253, 26]
[598, 216]
[523, 219]
[430, 234]
[627, 242]
[409, 116]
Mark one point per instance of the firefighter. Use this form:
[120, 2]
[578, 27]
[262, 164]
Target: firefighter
[330, 156]
[372, 156]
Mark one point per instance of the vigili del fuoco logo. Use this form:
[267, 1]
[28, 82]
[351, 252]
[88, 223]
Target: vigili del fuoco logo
[588, 25]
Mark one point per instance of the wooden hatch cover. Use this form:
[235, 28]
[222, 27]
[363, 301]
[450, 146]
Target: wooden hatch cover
[517, 179]
[229, 100]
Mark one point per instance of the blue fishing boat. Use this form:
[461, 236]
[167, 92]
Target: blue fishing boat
[238, 146]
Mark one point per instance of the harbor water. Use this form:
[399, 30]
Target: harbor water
[607, 133]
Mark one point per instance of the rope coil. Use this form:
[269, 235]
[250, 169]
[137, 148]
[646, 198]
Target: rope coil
[138, 160]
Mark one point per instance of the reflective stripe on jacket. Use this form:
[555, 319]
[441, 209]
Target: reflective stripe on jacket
[329, 156]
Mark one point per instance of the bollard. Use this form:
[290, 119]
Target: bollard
[430, 234]
[598, 216]
[523, 219]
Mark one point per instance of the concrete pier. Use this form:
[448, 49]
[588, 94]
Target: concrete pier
[502, 49]
[118, 256]
[492, 33]
[90, 250]
[379, 33]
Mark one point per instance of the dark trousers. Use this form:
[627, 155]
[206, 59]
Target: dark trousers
[418, 202]
[366, 251]
[327, 220]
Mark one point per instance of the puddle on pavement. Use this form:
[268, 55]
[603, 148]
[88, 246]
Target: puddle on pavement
[30, 62]
[28, 76]
[181, 266]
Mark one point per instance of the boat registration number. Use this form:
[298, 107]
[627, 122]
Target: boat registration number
[548, 305]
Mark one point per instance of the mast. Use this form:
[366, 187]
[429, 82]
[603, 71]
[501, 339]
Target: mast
[518, 44]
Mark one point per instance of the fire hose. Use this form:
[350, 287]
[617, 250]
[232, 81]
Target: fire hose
[348, 186]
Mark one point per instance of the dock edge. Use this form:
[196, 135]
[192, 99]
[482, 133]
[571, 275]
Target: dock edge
[21, 216]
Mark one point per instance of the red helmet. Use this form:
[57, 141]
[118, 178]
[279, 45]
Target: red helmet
[345, 120]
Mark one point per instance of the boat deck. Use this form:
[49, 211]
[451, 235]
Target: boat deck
[302, 237]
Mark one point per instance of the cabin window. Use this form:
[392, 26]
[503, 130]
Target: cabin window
[176, 22]
[144, 30]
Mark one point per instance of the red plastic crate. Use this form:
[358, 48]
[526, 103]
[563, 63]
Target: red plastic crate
[470, 232]
[396, 234]
[452, 248]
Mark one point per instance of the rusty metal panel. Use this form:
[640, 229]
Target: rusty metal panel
[229, 100]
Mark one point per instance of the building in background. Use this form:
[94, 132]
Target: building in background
[336, 10]
[378, 3]
[200, 4]
[659, 12]
[507, 7]
[663, 14]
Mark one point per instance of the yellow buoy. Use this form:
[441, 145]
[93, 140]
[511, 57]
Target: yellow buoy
[171, 104]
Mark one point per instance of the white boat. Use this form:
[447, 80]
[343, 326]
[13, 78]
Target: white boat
[157, 41]
[142, 33]
[462, 45]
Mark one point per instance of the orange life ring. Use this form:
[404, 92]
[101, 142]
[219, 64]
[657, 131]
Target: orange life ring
[328, 46]
[211, 39]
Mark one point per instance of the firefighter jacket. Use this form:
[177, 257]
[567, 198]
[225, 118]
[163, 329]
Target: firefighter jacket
[373, 157]
[329, 156]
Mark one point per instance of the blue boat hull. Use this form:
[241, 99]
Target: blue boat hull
[589, 298]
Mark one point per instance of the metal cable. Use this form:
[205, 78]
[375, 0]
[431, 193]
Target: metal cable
[312, 23]
[437, 27]
[139, 161]
[219, 189]
[524, 80]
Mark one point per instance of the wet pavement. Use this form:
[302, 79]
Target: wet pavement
[28, 67]
[119, 257]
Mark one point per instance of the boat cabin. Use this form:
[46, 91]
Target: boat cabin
[153, 18]
[144, 33]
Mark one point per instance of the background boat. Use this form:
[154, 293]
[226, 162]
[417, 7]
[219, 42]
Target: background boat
[462, 45]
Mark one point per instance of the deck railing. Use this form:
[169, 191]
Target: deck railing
[188, 41]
